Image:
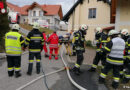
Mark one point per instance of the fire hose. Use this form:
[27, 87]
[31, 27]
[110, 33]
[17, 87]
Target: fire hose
[64, 68]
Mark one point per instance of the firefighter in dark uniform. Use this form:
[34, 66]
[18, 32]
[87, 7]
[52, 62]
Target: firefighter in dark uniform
[101, 39]
[126, 66]
[35, 41]
[13, 44]
[80, 49]
[115, 49]
[124, 36]
[73, 45]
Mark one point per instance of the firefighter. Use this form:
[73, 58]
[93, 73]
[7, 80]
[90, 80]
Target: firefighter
[124, 36]
[101, 39]
[126, 66]
[80, 49]
[53, 40]
[115, 49]
[45, 46]
[13, 44]
[35, 42]
[73, 45]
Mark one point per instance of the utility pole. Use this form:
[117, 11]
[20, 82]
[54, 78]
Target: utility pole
[4, 25]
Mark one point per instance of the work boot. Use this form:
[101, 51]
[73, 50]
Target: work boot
[76, 71]
[18, 75]
[38, 67]
[115, 85]
[101, 80]
[125, 80]
[56, 58]
[46, 55]
[66, 53]
[29, 74]
[74, 54]
[30, 67]
[10, 73]
[92, 69]
[50, 57]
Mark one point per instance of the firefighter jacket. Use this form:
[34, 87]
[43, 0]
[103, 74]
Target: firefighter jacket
[79, 40]
[127, 48]
[101, 39]
[13, 43]
[115, 48]
[53, 40]
[35, 41]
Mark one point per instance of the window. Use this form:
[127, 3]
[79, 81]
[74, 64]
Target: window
[40, 13]
[35, 20]
[34, 13]
[92, 13]
[48, 20]
[99, 0]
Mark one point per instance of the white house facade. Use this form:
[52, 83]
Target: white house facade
[51, 14]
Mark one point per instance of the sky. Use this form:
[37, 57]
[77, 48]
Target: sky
[66, 4]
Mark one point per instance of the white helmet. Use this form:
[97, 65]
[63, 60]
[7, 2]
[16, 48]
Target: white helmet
[36, 25]
[125, 32]
[16, 27]
[84, 27]
[113, 32]
[98, 30]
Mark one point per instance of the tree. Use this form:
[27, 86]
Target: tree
[4, 26]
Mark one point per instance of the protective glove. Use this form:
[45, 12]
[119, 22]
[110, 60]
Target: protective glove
[23, 48]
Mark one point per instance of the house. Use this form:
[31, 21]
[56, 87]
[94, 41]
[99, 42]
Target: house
[120, 14]
[34, 12]
[93, 13]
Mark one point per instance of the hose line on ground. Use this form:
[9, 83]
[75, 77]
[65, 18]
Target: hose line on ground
[68, 73]
[38, 78]
[45, 81]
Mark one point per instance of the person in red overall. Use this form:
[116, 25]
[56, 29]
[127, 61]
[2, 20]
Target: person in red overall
[44, 46]
[53, 40]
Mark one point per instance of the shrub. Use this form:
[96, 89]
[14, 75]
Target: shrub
[88, 43]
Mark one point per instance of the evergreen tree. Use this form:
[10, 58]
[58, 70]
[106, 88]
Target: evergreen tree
[4, 26]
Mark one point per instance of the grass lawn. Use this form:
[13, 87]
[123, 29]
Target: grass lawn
[29, 27]
[109, 80]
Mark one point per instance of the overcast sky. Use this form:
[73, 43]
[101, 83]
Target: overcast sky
[66, 4]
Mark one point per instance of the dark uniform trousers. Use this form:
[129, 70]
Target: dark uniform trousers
[14, 64]
[33, 55]
[97, 59]
[80, 57]
[74, 50]
[116, 69]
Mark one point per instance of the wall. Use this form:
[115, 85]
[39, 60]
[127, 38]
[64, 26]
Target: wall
[123, 14]
[31, 17]
[23, 19]
[81, 17]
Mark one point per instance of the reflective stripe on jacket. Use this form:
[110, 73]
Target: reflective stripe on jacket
[118, 47]
[116, 52]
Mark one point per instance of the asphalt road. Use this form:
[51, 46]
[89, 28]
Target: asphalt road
[57, 81]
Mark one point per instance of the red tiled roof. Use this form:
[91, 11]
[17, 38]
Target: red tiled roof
[49, 9]
[23, 10]
[14, 7]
